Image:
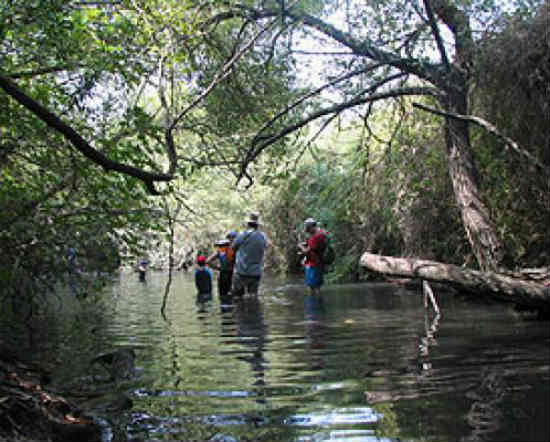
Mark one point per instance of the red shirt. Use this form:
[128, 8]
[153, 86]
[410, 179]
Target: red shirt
[316, 244]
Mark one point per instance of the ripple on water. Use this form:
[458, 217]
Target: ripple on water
[366, 364]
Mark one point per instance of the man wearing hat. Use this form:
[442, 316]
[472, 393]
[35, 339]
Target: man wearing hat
[313, 250]
[250, 246]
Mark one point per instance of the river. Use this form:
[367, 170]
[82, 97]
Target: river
[364, 363]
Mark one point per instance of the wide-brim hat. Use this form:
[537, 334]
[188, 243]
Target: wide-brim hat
[310, 222]
[253, 218]
[222, 242]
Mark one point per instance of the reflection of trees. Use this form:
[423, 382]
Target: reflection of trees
[484, 415]
[408, 382]
[459, 377]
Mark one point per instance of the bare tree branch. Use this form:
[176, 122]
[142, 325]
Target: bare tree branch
[317, 91]
[489, 128]
[221, 75]
[458, 22]
[342, 106]
[436, 33]
[364, 47]
[256, 150]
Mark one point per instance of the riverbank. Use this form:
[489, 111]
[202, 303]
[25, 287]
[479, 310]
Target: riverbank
[30, 412]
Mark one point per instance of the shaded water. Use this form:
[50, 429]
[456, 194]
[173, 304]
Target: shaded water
[365, 363]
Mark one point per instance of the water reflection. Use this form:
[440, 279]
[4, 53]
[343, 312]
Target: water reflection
[428, 340]
[314, 312]
[484, 415]
[252, 331]
[361, 363]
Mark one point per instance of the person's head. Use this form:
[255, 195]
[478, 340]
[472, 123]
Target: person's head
[310, 225]
[253, 220]
[231, 235]
[222, 243]
[201, 260]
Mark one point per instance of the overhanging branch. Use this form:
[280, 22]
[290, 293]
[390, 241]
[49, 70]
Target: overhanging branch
[489, 128]
[149, 178]
[436, 34]
[310, 95]
[269, 140]
[362, 48]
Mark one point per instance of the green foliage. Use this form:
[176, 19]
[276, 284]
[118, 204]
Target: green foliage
[389, 198]
[121, 74]
[118, 74]
[513, 68]
[70, 58]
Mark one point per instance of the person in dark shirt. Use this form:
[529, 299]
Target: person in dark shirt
[203, 278]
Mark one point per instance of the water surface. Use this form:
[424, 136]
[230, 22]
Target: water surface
[363, 363]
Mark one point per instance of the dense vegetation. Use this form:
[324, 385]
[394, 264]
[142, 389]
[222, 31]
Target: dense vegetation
[127, 124]
[148, 128]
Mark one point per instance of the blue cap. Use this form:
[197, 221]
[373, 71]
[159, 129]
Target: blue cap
[231, 234]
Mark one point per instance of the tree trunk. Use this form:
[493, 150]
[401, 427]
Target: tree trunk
[481, 232]
[496, 285]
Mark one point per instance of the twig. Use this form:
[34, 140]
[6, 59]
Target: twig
[428, 293]
[171, 221]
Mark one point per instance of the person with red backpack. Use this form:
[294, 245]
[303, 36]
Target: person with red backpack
[313, 250]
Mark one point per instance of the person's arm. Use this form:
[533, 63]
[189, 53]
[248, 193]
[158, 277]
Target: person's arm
[237, 242]
[304, 247]
[211, 258]
[196, 280]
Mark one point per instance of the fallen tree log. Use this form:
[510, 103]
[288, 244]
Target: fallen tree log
[523, 292]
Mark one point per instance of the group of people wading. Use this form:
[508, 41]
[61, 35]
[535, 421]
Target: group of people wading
[239, 258]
